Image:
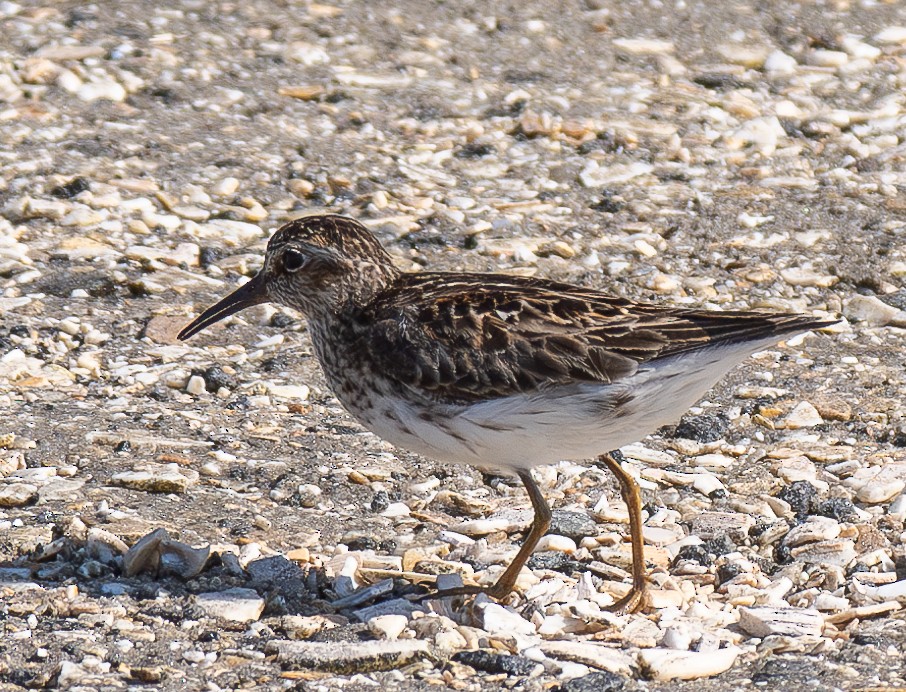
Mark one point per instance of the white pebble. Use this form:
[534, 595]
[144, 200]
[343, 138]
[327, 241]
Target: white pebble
[779, 62]
[196, 385]
[388, 626]
[670, 664]
[106, 90]
[805, 415]
[891, 34]
[763, 621]
[561, 544]
[875, 492]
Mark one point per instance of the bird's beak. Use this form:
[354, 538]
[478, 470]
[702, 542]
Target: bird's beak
[247, 295]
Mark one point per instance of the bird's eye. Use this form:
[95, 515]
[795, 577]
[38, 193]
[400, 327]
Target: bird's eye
[293, 260]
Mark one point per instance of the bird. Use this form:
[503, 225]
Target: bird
[498, 371]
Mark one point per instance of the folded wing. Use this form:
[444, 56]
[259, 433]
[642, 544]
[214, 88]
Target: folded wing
[493, 336]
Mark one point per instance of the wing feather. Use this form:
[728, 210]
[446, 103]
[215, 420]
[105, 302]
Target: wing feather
[486, 336]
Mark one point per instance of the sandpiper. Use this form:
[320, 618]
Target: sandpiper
[497, 371]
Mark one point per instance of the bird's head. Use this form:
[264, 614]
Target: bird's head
[318, 265]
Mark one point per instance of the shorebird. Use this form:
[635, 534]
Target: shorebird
[497, 371]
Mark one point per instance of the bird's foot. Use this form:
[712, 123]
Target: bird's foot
[632, 602]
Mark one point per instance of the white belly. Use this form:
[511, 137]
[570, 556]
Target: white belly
[557, 423]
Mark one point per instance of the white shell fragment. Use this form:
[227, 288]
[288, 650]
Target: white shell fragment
[671, 664]
[763, 621]
[236, 604]
[157, 553]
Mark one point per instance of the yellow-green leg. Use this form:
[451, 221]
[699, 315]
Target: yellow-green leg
[632, 496]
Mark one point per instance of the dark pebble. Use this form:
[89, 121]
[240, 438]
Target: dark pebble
[594, 682]
[693, 553]
[719, 546]
[865, 639]
[475, 150]
[100, 286]
[123, 446]
[215, 378]
[897, 437]
[159, 392]
[782, 554]
[496, 663]
[800, 495]
[275, 364]
[856, 568]
[554, 560]
[276, 570]
[281, 320]
[207, 256]
[898, 299]
[575, 525]
[74, 187]
[727, 572]
[607, 204]
[240, 403]
[837, 508]
[704, 428]
[718, 81]
[380, 501]
[361, 543]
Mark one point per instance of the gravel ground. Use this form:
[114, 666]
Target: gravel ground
[206, 516]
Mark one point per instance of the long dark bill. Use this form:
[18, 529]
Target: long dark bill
[252, 293]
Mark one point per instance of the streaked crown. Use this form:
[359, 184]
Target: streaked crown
[325, 262]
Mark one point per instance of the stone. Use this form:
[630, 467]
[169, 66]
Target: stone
[779, 63]
[880, 490]
[643, 46]
[499, 620]
[838, 552]
[751, 56]
[804, 415]
[156, 552]
[763, 621]
[162, 329]
[236, 604]
[891, 35]
[575, 525]
[590, 654]
[348, 658]
[498, 663]
[61, 489]
[815, 529]
[388, 626]
[641, 632]
[556, 543]
[395, 606]
[196, 385]
[17, 494]
[482, 527]
[594, 175]
[708, 525]
[365, 594]
[874, 312]
[671, 664]
[157, 478]
[594, 682]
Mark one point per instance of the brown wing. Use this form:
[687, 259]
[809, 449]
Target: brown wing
[487, 336]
